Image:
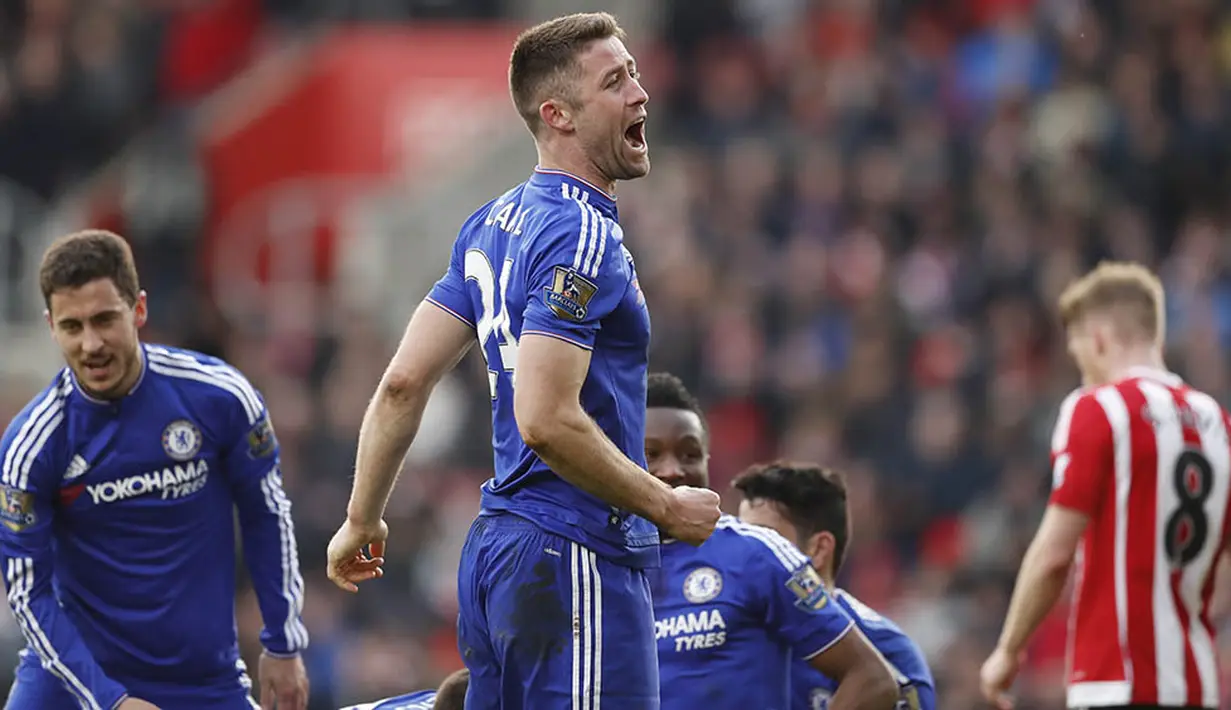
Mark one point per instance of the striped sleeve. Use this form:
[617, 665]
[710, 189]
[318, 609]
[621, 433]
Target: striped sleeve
[576, 276]
[797, 604]
[1082, 449]
[251, 467]
[27, 488]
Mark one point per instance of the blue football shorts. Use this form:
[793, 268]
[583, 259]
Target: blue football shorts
[546, 624]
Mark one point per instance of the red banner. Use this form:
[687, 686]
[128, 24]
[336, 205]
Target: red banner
[296, 142]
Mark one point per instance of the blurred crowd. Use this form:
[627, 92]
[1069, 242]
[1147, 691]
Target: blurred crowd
[859, 217]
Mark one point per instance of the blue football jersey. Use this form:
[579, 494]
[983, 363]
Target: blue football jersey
[731, 614]
[812, 690]
[548, 258]
[118, 540]
[422, 700]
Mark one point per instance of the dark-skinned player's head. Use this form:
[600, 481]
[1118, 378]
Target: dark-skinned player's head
[451, 695]
[573, 81]
[677, 447]
[95, 306]
[805, 503]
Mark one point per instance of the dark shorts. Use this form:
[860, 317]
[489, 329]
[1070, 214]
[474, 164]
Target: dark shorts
[545, 624]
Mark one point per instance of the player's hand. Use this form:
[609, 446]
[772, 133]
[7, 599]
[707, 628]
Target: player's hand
[997, 675]
[348, 563]
[692, 515]
[284, 683]
[136, 704]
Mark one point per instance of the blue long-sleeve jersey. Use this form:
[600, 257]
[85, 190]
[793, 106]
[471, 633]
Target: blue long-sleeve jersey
[812, 690]
[730, 614]
[118, 543]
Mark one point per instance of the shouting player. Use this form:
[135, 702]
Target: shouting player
[119, 484]
[451, 695]
[555, 608]
[731, 614]
[807, 504]
[1140, 483]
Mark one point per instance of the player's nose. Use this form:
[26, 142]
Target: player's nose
[91, 341]
[670, 472]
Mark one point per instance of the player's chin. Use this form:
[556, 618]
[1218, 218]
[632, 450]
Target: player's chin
[634, 165]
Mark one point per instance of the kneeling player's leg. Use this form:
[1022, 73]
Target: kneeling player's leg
[571, 631]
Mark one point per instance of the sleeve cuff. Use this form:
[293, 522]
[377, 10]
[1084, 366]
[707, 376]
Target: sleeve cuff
[119, 701]
[280, 654]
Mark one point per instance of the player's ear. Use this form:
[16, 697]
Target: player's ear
[140, 310]
[556, 115]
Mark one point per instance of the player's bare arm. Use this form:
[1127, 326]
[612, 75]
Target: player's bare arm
[433, 344]
[1220, 602]
[1040, 581]
[547, 405]
[864, 680]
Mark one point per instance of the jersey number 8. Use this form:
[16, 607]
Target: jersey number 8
[495, 316]
[1188, 527]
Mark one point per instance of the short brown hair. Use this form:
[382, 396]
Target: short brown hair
[1128, 289]
[544, 60]
[76, 259]
[812, 497]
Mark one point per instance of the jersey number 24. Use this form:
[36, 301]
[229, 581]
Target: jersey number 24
[494, 320]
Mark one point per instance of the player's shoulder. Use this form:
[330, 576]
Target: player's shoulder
[420, 700]
[756, 543]
[203, 376]
[39, 422]
[873, 623]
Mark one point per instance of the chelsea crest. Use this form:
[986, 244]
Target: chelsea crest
[181, 440]
[702, 585]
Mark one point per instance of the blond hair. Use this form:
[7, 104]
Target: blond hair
[544, 62]
[1128, 291]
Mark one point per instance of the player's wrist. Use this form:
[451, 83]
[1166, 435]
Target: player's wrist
[279, 654]
[660, 505]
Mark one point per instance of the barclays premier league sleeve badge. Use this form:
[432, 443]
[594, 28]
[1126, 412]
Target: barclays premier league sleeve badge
[808, 588]
[569, 294]
[16, 508]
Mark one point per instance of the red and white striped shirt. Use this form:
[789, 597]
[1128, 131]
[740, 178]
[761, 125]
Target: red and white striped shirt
[1148, 460]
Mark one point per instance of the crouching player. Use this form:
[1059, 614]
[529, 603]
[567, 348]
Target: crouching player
[451, 695]
[807, 504]
[731, 614]
[118, 486]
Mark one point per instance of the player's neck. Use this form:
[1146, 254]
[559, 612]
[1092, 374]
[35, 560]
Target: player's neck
[1135, 359]
[574, 162]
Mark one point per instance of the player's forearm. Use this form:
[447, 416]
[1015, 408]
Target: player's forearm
[571, 443]
[50, 633]
[866, 687]
[1040, 582]
[389, 427]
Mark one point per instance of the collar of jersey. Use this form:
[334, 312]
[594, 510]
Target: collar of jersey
[95, 400]
[551, 178]
[1165, 376]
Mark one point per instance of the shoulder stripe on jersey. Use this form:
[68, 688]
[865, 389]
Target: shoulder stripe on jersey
[591, 237]
[292, 581]
[223, 377]
[789, 555]
[600, 238]
[583, 236]
[19, 574]
[1060, 435]
[42, 422]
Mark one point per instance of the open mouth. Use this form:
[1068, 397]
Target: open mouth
[98, 368]
[634, 135]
